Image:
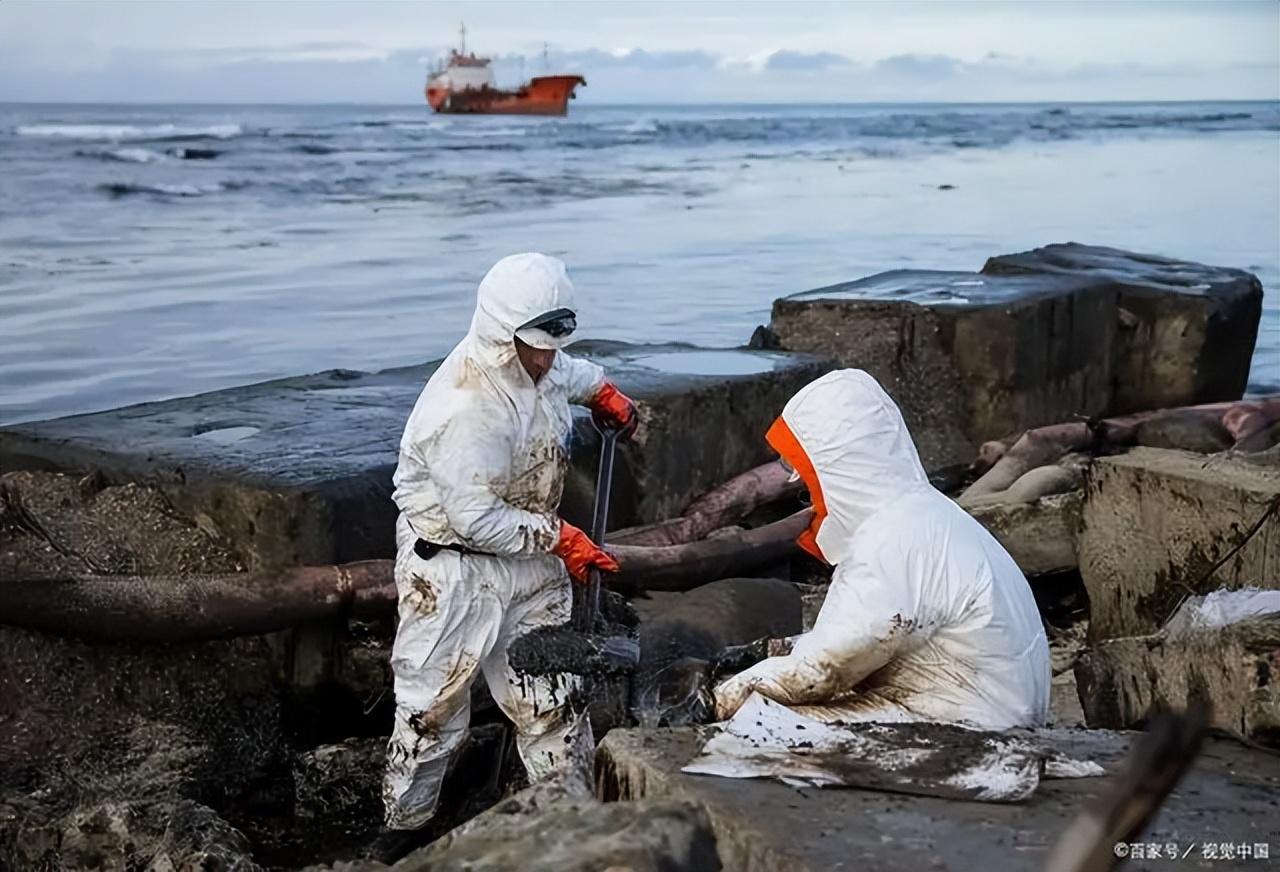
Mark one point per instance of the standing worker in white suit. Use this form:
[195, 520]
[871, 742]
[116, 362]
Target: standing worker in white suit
[482, 556]
[927, 617]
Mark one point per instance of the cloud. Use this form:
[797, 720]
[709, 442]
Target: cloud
[341, 70]
[919, 66]
[806, 61]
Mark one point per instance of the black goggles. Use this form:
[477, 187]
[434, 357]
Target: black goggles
[557, 323]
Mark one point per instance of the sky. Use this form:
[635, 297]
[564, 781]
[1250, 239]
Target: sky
[378, 51]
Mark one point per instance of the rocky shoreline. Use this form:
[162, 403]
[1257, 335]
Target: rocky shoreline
[244, 750]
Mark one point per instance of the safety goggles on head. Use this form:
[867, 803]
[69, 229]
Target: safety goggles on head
[548, 330]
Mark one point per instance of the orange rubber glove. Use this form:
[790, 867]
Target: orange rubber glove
[613, 409]
[579, 553]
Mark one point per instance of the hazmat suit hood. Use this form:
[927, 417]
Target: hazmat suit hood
[518, 289]
[847, 440]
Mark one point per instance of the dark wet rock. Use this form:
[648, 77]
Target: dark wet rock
[968, 357]
[1125, 682]
[135, 797]
[545, 828]
[167, 837]
[298, 470]
[1159, 525]
[682, 634]
[1186, 331]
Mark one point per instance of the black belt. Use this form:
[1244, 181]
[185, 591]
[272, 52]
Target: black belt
[426, 550]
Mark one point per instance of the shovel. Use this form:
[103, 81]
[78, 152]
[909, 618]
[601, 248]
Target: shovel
[585, 619]
[621, 650]
[579, 647]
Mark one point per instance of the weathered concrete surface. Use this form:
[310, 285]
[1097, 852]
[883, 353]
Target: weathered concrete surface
[1186, 331]
[1041, 536]
[762, 825]
[968, 357]
[541, 828]
[298, 470]
[1159, 525]
[1236, 669]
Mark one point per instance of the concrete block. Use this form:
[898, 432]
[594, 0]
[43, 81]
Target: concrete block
[762, 825]
[298, 470]
[1236, 669]
[1159, 525]
[968, 357]
[1186, 331]
[1041, 536]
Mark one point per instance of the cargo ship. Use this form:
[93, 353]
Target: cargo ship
[464, 86]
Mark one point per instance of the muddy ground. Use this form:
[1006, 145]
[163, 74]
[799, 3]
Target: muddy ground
[201, 755]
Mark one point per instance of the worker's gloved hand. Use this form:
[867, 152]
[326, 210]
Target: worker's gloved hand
[580, 554]
[731, 694]
[613, 409]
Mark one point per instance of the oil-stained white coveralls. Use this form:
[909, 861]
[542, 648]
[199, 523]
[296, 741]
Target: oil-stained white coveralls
[927, 616]
[482, 465]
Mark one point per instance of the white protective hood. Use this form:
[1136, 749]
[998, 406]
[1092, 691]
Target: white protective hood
[847, 440]
[516, 290]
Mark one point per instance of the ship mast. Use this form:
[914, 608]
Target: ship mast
[462, 39]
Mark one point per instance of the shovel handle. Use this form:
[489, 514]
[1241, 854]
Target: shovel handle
[599, 524]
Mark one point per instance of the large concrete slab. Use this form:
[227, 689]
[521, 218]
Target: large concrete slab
[298, 470]
[1236, 669]
[763, 826]
[1159, 525]
[968, 357]
[1186, 331]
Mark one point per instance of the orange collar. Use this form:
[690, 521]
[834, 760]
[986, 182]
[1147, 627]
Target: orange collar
[783, 441]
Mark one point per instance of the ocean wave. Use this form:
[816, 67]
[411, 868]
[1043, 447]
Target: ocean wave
[314, 148]
[482, 132]
[121, 132]
[183, 153]
[126, 189]
[483, 146]
[122, 155]
[419, 125]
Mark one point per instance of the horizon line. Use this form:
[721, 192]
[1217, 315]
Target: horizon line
[639, 104]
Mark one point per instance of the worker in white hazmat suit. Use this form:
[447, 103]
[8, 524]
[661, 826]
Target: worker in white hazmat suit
[481, 553]
[927, 617]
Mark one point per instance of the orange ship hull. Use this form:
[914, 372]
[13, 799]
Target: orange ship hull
[544, 95]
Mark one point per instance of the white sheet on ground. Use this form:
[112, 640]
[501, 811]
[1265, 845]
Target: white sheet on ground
[765, 739]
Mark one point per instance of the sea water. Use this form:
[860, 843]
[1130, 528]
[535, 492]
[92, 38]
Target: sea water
[158, 251]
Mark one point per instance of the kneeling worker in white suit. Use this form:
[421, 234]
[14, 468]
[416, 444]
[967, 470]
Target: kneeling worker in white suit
[927, 617]
[481, 553]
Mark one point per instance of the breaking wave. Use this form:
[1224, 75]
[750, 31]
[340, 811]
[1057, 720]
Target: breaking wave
[122, 155]
[126, 189]
[123, 132]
